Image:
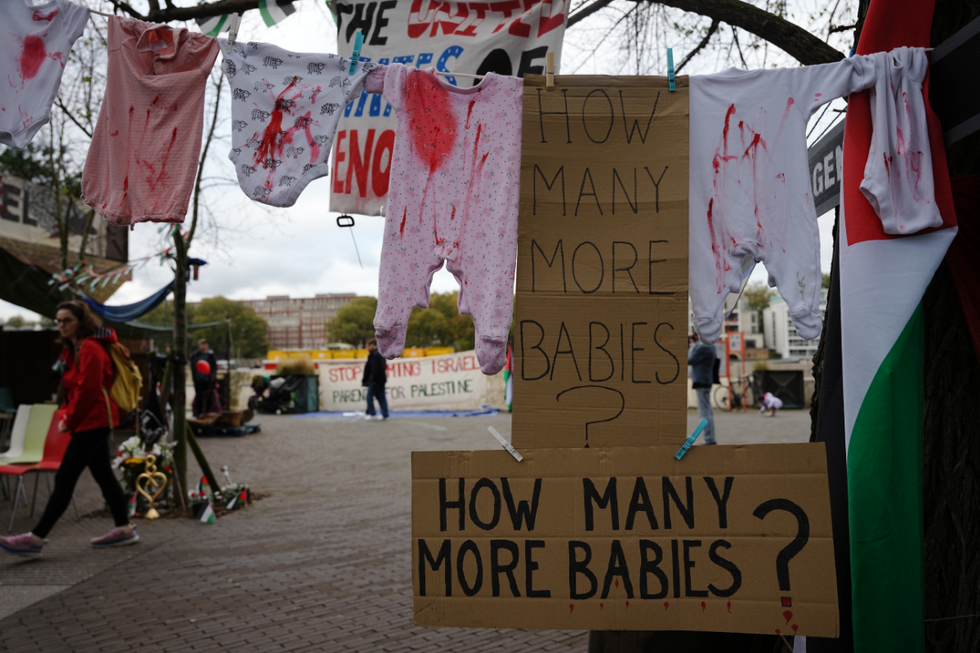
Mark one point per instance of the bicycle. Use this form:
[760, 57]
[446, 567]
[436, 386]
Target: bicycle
[720, 395]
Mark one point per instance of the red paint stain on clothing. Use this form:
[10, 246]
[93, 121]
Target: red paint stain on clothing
[166, 157]
[32, 55]
[404, 215]
[155, 100]
[115, 133]
[275, 138]
[888, 168]
[469, 110]
[817, 96]
[38, 17]
[452, 216]
[432, 124]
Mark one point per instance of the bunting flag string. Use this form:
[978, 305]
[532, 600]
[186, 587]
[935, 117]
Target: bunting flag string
[83, 273]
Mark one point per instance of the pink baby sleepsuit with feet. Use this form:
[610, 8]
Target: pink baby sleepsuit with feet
[453, 197]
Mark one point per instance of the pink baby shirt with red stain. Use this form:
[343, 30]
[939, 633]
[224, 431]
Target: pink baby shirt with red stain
[453, 197]
[750, 184]
[34, 44]
[143, 157]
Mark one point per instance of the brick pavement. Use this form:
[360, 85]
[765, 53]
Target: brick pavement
[322, 564]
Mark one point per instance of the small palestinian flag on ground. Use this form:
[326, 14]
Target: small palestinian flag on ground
[204, 513]
[131, 505]
[203, 488]
[239, 500]
[273, 11]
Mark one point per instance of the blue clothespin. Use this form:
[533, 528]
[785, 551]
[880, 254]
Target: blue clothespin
[358, 42]
[694, 436]
[670, 74]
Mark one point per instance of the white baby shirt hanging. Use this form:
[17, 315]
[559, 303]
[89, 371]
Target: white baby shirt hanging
[284, 109]
[749, 184]
[898, 176]
[33, 52]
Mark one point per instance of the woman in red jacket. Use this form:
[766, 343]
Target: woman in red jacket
[89, 415]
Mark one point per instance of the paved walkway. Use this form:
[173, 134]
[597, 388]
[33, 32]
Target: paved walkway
[322, 564]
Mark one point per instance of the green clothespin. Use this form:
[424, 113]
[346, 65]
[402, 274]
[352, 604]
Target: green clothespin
[358, 42]
[670, 70]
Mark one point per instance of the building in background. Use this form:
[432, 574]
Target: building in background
[298, 323]
[781, 335]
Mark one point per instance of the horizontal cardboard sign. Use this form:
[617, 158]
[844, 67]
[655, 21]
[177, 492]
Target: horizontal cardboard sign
[730, 539]
[600, 329]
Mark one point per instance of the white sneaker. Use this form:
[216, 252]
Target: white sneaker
[368, 417]
[376, 417]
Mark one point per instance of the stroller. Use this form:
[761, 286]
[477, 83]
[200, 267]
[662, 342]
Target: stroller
[274, 397]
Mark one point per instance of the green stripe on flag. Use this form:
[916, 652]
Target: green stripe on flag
[884, 479]
[215, 25]
[266, 16]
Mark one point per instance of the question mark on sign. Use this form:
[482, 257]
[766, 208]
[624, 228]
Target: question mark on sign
[622, 405]
[790, 550]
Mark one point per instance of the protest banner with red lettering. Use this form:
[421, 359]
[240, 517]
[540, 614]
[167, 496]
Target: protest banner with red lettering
[510, 38]
[443, 381]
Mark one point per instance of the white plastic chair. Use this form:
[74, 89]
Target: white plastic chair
[18, 432]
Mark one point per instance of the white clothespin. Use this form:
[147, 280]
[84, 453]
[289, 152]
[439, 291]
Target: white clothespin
[506, 445]
[549, 71]
[234, 22]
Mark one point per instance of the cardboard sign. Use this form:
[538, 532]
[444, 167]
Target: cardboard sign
[600, 317]
[509, 38]
[731, 539]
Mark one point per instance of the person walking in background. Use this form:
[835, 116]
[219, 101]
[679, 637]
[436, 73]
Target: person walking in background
[701, 358]
[204, 372]
[89, 415]
[770, 404]
[374, 379]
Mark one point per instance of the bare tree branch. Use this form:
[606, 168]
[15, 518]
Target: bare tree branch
[124, 6]
[587, 11]
[65, 111]
[738, 46]
[800, 44]
[700, 46]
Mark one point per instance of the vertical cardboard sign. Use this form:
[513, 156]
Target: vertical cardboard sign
[600, 322]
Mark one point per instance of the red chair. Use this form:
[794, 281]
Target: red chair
[55, 445]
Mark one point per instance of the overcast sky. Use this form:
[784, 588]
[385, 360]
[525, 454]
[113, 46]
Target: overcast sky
[254, 252]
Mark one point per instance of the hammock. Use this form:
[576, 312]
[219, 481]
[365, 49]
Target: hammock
[130, 312]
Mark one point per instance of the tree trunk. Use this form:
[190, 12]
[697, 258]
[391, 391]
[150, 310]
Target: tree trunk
[179, 398]
[951, 452]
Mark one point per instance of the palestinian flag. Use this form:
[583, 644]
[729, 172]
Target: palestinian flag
[204, 513]
[238, 500]
[131, 504]
[214, 25]
[274, 11]
[882, 280]
[509, 379]
[203, 489]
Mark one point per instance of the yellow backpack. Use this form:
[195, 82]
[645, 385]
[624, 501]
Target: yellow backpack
[128, 381]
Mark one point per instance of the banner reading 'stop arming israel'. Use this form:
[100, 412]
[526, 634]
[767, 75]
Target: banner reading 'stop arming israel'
[510, 37]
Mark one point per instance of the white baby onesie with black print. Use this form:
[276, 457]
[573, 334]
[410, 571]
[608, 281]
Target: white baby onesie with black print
[284, 109]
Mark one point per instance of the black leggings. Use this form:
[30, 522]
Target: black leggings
[85, 449]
